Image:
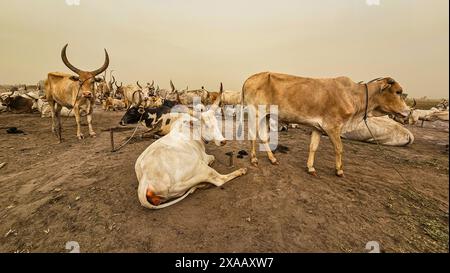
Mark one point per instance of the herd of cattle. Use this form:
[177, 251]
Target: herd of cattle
[337, 107]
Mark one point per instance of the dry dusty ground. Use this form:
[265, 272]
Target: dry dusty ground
[78, 191]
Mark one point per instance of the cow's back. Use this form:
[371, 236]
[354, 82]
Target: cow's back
[298, 98]
[59, 88]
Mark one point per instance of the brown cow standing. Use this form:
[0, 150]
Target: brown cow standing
[330, 105]
[73, 92]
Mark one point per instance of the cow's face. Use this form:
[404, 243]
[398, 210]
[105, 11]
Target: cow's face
[86, 82]
[210, 128]
[390, 98]
[86, 79]
[132, 115]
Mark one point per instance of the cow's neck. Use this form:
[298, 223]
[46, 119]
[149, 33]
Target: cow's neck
[373, 90]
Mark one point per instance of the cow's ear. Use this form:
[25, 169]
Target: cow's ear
[75, 78]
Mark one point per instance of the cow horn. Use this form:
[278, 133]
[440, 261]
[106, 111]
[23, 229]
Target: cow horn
[374, 80]
[390, 81]
[115, 83]
[114, 80]
[153, 84]
[157, 88]
[172, 86]
[104, 66]
[414, 103]
[137, 82]
[66, 61]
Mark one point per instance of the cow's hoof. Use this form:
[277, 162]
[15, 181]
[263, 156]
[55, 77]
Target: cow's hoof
[254, 162]
[275, 162]
[313, 173]
[80, 137]
[93, 135]
[243, 171]
[340, 173]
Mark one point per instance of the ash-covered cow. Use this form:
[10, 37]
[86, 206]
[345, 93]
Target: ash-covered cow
[159, 185]
[385, 132]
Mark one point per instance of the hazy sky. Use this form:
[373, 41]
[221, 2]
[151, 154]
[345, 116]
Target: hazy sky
[203, 42]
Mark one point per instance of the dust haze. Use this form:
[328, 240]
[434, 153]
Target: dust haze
[203, 42]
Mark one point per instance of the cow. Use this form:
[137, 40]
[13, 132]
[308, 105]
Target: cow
[113, 104]
[176, 165]
[74, 92]
[149, 89]
[327, 105]
[385, 132]
[130, 94]
[167, 94]
[157, 120]
[17, 104]
[187, 96]
[229, 101]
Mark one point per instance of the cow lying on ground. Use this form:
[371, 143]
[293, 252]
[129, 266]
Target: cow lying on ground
[176, 165]
[16, 103]
[385, 130]
[327, 105]
[111, 104]
[41, 105]
[158, 119]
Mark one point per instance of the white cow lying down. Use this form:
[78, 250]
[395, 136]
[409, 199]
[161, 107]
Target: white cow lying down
[386, 131]
[176, 165]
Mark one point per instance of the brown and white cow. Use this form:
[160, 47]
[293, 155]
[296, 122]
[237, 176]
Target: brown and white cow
[327, 105]
[74, 92]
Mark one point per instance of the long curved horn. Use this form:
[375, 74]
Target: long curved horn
[66, 61]
[115, 83]
[414, 103]
[137, 82]
[104, 66]
[153, 84]
[172, 86]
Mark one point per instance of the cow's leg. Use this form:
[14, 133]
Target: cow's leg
[58, 128]
[51, 104]
[335, 137]
[89, 121]
[315, 140]
[76, 111]
[210, 159]
[218, 179]
[264, 136]
[252, 133]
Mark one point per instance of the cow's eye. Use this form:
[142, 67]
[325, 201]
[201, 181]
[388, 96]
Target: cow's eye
[399, 92]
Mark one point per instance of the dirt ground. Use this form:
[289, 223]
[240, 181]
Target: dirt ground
[79, 191]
